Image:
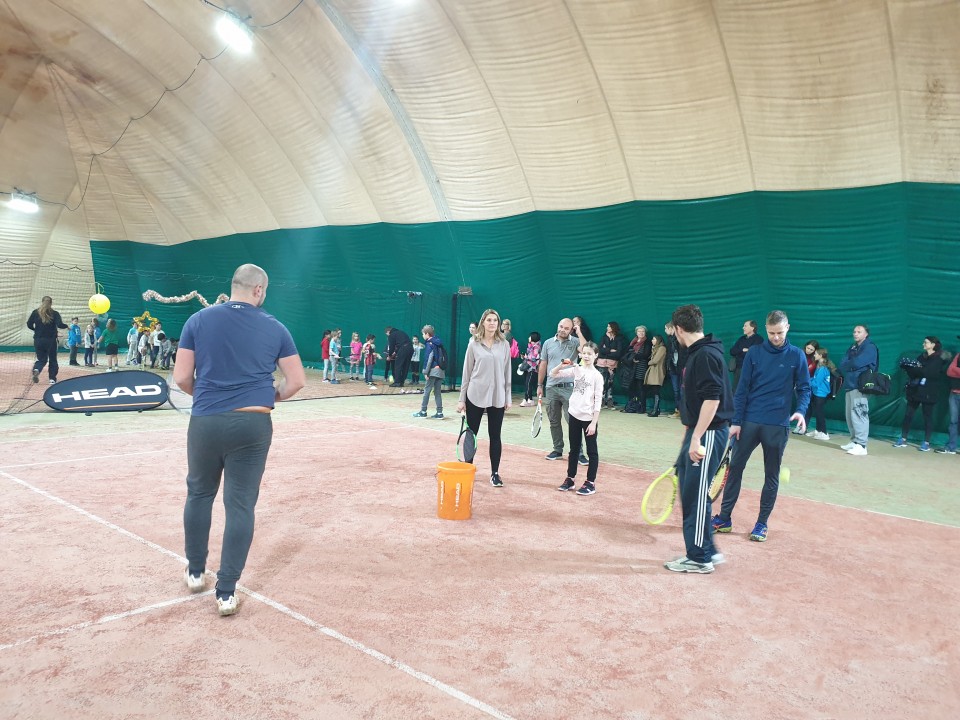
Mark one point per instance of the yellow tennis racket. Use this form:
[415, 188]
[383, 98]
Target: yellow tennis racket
[660, 497]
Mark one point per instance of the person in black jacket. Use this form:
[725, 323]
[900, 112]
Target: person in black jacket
[612, 345]
[924, 374]
[44, 321]
[676, 359]
[740, 348]
[705, 411]
[401, 349]
[635, 369]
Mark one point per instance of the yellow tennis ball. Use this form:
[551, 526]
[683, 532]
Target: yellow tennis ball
[784, 474]
[99, 304]
[702, 450]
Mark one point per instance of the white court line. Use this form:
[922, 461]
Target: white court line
[105, 619]
[83, 459]
[329, 632]
[47, 438]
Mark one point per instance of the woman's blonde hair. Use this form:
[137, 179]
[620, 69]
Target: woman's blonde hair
[498, 335]
[45, 311]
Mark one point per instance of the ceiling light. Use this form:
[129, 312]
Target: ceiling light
[235, 32]
[24, 202]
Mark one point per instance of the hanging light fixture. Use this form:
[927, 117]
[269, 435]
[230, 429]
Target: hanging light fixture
[24, 202]
[234, 31]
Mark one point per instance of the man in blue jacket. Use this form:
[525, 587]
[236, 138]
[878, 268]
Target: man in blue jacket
[862, 355]
[773, 373]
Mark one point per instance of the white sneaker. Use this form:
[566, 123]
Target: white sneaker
[811, 433]
[195, 584]
[848, 446]
[718, 559]
[228, 606]
[821, 436]
[857, 450]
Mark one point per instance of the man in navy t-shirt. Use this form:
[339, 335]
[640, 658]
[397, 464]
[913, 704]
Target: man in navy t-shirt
[234, 349]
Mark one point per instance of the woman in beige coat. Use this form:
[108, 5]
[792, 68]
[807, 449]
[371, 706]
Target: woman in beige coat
[656, 372]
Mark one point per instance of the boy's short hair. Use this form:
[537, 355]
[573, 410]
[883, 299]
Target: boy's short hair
[371, 337]
[428, 330]
[688, 318]
[161, 336]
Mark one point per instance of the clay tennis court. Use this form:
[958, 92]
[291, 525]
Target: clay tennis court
[359, 603]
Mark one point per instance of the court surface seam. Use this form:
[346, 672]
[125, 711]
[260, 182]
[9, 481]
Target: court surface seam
[329, 632]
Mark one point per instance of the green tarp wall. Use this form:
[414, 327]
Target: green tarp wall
[887, 256]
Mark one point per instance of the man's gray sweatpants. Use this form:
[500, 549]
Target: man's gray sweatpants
[858, 416]
[557, 401]
[233, 445]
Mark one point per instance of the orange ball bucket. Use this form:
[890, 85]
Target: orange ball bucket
[455, 490]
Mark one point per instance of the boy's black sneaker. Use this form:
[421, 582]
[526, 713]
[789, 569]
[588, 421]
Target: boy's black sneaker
[554, 455]
[568, 484]
[583, 459]
[495, 480]
[586, 489]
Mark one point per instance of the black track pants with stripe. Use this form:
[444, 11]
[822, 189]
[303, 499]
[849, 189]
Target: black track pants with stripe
[694, 500]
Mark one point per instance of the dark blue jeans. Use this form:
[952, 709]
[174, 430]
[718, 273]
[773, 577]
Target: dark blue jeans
[232, 446]
[694, 500]
[773, 440]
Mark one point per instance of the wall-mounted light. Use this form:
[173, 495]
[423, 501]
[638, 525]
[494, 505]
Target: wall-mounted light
[235, 32]
[24, 202]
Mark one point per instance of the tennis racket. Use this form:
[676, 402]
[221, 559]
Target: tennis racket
[178, 399]
[537, 422]
[660, 497]
[722, 473]
[466, 442]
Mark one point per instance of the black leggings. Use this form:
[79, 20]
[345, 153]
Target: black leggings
[817, 405]
[530, 388]
[578, 431]
[927, 419]
[494, 423]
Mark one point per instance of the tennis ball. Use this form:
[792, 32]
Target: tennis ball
[784, 474]
[702, 450]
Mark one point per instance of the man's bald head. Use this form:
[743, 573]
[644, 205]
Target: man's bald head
[249, 284]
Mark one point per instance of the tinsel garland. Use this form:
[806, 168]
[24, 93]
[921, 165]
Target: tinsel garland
[154, 295]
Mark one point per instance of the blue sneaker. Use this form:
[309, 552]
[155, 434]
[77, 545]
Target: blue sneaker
[720, 525]
[900, 443]
[924, 447]
[759, 532]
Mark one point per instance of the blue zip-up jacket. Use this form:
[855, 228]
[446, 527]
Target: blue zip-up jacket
[820, 382]
[769, 380]
[864, 356]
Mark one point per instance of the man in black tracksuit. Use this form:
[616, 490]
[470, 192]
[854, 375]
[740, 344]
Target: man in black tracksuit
[401, 349]
[705, 410]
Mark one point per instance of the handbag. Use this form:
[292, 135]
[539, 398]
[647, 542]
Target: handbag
[873, 382]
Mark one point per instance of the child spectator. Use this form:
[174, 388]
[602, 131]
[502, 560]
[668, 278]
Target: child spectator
[433, 373]
[132, 358]
[325, 354]
[531, 361]
[111, 342]
[334, 352]
[415, 361]
[89, 338]
[370, 357]
[165, 348]
[585, 403]
[143, 347]
[356, 347]
[819, 392]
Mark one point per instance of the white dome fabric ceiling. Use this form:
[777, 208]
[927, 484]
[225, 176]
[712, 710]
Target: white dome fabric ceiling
[361, 111]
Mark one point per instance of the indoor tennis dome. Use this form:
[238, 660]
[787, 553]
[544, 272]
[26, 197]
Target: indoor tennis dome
[608, 158]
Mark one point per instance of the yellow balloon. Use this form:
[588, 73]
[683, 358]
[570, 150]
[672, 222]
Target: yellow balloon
[99, 304]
